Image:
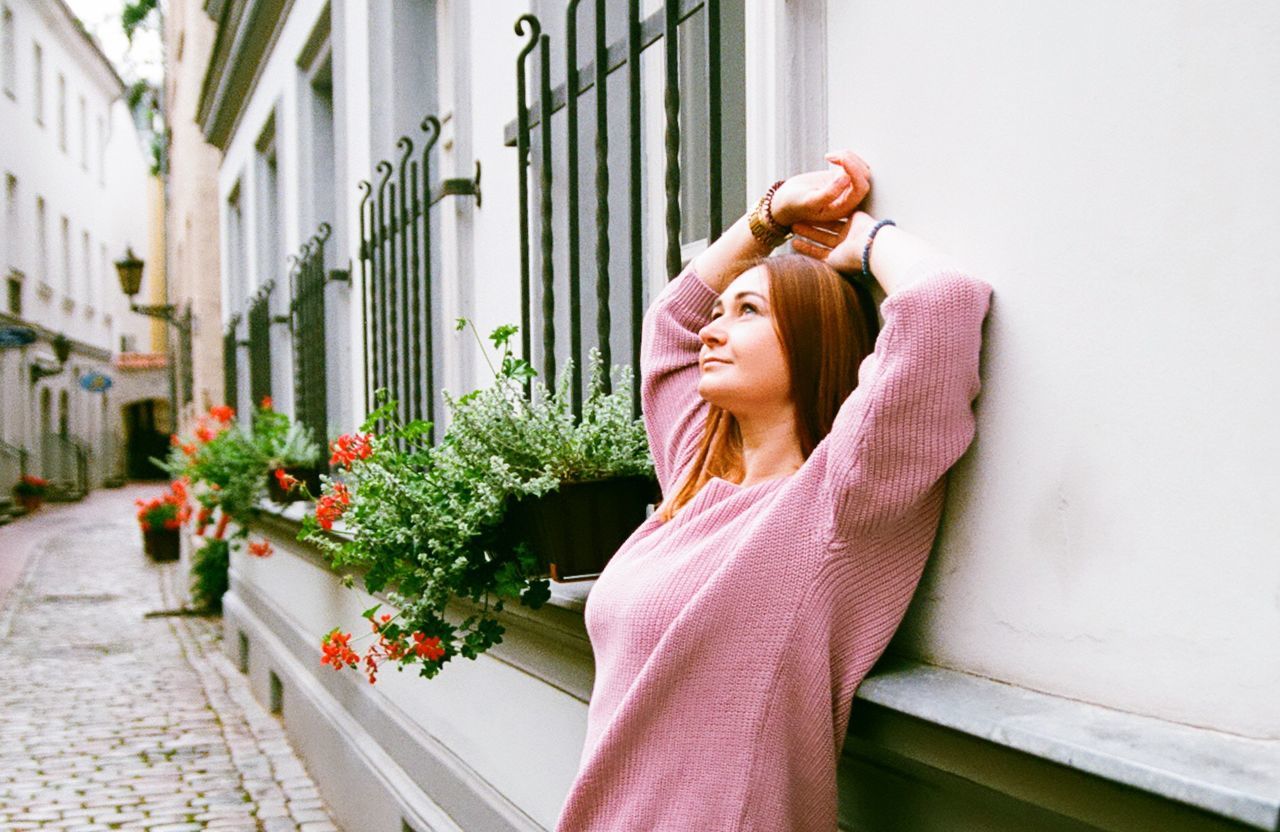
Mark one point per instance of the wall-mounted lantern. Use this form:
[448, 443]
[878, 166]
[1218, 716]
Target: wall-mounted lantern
[61, 351]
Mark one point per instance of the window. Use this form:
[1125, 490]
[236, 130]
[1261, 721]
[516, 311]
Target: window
[15, 295]
[84, 133]
[42, 240]
[62, 112]
[12, 233]
[8, 63]
[270, 253]
[38, 90]
[90, 288]
[107, 274]
[66, 257]
[102, 151]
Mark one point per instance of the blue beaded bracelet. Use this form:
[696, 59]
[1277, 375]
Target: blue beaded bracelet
[866, 250]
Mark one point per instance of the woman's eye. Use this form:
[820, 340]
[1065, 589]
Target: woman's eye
[747, 306]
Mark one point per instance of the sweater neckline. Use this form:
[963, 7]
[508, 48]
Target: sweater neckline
[739, 487]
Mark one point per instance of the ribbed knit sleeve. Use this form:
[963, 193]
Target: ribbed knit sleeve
[910, 417]
[674, 412]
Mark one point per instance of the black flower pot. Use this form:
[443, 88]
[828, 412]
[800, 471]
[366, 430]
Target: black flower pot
[308, 474]
[575, 529]
[161, 544]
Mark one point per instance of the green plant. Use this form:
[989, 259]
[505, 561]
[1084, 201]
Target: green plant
[226, 467]
[282, 441]
[31, 486]
[210, 579]
[425, 521]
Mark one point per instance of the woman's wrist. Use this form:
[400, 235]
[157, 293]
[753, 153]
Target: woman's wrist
[894, 253]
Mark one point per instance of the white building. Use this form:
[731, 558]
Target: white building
[75, 200]
[1094, 645]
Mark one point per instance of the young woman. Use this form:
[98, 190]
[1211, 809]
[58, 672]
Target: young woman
[802, 454]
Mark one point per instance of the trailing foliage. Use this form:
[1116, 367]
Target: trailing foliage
[426, 522]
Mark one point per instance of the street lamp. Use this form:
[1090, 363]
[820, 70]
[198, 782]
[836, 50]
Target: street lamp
[130, 270]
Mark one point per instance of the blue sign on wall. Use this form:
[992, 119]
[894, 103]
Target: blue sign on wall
[16, 336]
[95, 382]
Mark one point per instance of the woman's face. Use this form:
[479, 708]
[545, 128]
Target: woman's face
[753, 375]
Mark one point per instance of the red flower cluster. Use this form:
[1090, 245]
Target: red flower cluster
[331, 506]
[203, 517]
[349, 447]
[222, 413]
[337, 650]
[266, 403]
[393, 645]
[286, 480]
[168, 510]
[261, 548]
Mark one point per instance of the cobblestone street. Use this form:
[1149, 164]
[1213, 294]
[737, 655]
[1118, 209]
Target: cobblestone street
[116, 721]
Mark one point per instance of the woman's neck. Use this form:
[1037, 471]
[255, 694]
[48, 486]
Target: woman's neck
[770, 447]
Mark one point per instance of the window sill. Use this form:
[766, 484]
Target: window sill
[1223, 774]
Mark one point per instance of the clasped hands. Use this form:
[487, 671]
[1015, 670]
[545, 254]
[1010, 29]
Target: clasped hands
[820, 208]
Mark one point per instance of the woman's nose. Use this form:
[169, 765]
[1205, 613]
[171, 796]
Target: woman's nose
[711, 334]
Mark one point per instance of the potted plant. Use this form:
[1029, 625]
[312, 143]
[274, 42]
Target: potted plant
[474, 516]
[291, 453]
[31, 491]
[224, 470]
[160, 519]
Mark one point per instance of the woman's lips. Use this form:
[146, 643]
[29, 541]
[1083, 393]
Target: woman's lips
[711, 361]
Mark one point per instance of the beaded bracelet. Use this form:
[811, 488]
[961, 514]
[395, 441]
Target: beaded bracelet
[762, 224]
[866, 249]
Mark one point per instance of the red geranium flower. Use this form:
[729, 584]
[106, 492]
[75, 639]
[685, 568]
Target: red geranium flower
[222, 413]
[260, 548]
[286, 480]
[331, 506]
[349, 447]
[266, 403]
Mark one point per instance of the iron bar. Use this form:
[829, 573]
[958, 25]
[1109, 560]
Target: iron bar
[522, 152]
[366, 291]
[431, 124]
[604, 321]
[671, 100]
[637, 190]
[571, 146]
[548, 267]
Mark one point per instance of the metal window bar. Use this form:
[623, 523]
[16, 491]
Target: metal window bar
[260, 345]
[723, 78]
[230, 368]
[397, 270]
[185, 357]
[310, 344]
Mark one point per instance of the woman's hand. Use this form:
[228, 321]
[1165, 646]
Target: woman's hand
[823, 195]
[839, 242]
[839, 239]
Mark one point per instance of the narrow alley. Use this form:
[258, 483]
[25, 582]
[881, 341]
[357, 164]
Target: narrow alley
[112, 720]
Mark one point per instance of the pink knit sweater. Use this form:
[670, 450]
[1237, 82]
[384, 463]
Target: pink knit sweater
[729, 642]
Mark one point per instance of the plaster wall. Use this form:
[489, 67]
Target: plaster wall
[1109, 170]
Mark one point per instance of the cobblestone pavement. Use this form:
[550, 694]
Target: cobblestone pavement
[109, 720]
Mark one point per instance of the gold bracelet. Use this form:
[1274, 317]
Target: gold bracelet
[762, 224]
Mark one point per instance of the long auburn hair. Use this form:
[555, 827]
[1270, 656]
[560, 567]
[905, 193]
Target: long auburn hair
[827, 324]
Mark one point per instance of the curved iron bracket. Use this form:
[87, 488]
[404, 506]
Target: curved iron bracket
[459, 187]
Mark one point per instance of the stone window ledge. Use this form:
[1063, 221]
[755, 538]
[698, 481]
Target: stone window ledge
[1229, 776]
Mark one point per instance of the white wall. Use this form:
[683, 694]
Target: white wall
[104, 192]
[1111, 171]
[108, 200]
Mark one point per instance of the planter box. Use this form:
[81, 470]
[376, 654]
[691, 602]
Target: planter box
[30, 502]
[309, 475]
[575, 529]
[161, 544]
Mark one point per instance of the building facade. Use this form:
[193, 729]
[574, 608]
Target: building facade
[192, 219]
[78, 197]
[1093, 643]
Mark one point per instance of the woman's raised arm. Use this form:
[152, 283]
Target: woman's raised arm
[673, 410]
